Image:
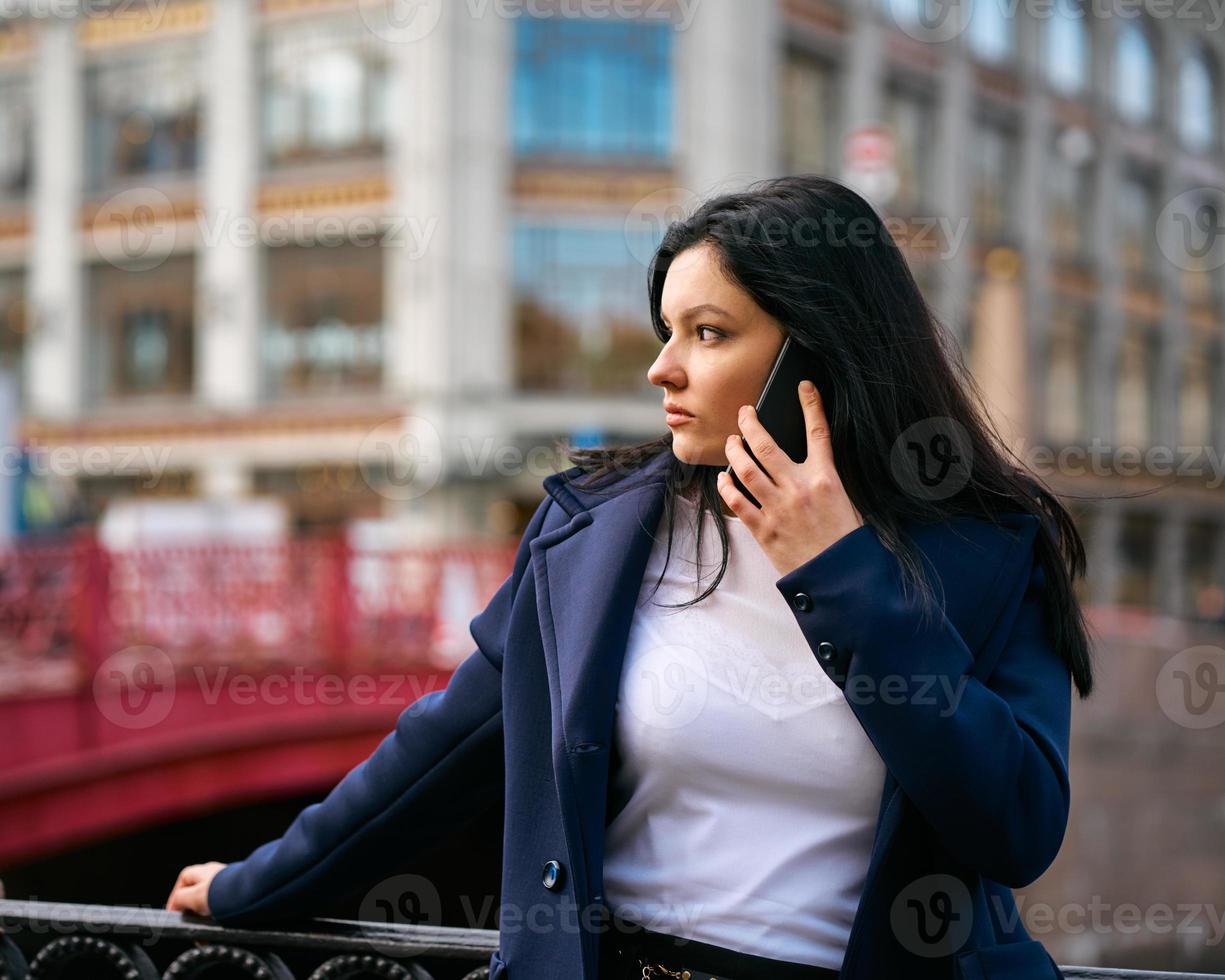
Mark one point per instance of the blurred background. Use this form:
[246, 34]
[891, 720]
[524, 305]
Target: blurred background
[296, 297]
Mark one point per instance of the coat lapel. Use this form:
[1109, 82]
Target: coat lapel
[588, 573]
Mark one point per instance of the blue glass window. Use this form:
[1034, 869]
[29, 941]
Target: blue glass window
[592, 88]
[1135, 77]
[581, 309]
[1197, 100]
[1067, 47]
[990, 33]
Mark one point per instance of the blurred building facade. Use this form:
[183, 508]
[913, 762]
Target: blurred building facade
[200, 200]
[276, 248]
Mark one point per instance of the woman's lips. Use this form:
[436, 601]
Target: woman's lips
[677, 418]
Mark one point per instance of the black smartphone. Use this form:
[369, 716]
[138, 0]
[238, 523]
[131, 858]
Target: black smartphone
[779, 409]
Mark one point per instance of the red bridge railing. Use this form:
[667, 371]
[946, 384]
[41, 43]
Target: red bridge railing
[315, 601]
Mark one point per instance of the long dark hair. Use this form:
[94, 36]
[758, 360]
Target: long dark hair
[817, 257]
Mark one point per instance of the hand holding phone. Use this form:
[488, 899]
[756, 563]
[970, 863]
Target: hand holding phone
[779, 409]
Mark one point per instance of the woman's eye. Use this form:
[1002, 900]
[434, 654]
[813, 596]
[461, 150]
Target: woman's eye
[697, 330]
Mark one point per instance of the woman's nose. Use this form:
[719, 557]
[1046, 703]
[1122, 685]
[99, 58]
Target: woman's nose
[664, 370]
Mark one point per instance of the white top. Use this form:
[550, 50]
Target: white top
[753, 787]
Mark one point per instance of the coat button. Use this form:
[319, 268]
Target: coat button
[802, 601]
[826, 651]
[552, 875]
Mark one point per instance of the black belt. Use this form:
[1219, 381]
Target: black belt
[621, 964]
[643, 955]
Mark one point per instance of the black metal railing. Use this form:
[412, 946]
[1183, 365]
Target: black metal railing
[58, 941]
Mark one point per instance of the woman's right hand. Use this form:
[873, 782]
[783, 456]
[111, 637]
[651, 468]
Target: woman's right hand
[190, 892]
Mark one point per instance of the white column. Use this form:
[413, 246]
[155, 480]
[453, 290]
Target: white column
[728, 67]
[999, 357]
[448, 315]
[227, 266]
[225, 478]
[953, 177]
[864, 69]
[1031, 218]
[481, 170]
[54, 353]
[417, 289]
[1175, 333]
[1109, 316]
[447, 294]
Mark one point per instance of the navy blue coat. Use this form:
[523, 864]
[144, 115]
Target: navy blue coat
[974, 803]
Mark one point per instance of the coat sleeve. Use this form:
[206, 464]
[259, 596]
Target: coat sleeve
[436, 767]
[986, 764]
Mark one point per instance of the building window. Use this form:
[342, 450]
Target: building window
[911, 13]
[142, 329]
[1137, 232]
[586, 88]
[1085, 520]
[1205, 595]
[810, 110]
[1070, 196]
[1135, 75]
[1197, 99]
[1066, 47]
[13, 324]
[143, 114]
[1067, 402]
[1198, 248]
[990, 34]
[1216, 393]
[322, 496]
[324, 326]
[909, 114]
[15, 135]
[995, 180]
[324, 91]
[1136, 396]
[581, 316]
[1137, 561]
[1195, 395]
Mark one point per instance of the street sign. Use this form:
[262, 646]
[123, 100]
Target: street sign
[869, 163]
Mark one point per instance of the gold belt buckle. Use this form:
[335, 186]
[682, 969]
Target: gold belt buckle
[648, 972]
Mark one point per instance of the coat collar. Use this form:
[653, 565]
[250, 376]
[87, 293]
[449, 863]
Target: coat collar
[573, 498]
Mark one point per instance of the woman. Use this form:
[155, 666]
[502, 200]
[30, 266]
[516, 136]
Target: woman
[837, 758]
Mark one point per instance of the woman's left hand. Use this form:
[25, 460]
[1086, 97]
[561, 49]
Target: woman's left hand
[804, 508]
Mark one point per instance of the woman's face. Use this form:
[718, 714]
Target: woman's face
[720, 349]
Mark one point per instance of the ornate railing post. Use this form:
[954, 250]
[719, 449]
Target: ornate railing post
[340, 599]
[91, 613]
